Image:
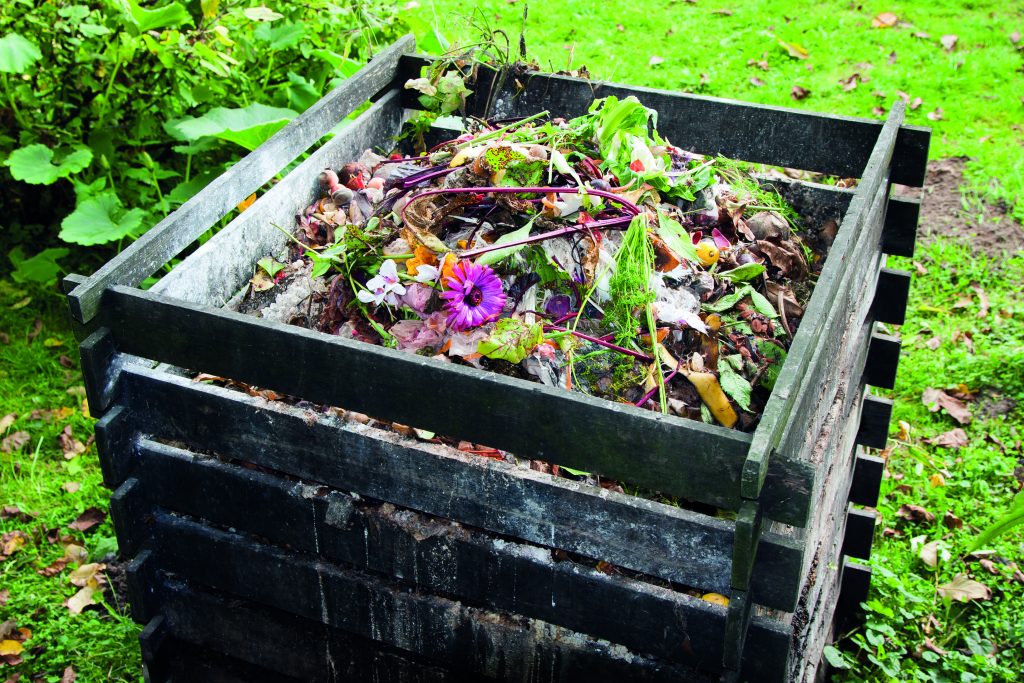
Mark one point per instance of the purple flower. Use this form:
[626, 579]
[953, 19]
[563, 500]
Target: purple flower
[473, 296]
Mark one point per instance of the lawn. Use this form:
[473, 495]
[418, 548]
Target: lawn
[964, 333]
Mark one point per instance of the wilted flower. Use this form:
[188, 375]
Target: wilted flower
[473, 296]
[383, 287]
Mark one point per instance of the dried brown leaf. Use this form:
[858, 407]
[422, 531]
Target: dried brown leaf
[915, 103]
[951, 521]
[1015, 37]
[949, 42]
[929, 554]
[69, 675]
[983, 302]
[655, 60]
[964, 589]
[15, 442]
[954, 438]
[933, 343]
[71, 486]
[937, 399]
[37, 327]
[756, 82]
[915, 514]
[723, 12]
[935, 115]
[794, 50]
[87, 520]
[7, 420]
[885, 20]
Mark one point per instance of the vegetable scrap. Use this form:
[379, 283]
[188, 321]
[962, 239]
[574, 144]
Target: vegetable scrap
[588, 254]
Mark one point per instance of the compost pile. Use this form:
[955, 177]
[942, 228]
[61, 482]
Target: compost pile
[587, 254]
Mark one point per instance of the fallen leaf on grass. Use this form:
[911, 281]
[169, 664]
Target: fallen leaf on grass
[933, 343]
[15, 442]
[10, 647]
[794, 50]
[83, 598]
[914, 513]
[762, 64]
[935, 115]
[12, 542]
[37, 327]
[937, 480]
[655, 60]
[933, 552]
[1015, 37]
[799, 93]
[983, 302]
[884, 20]
[756, 82]
[5, 595]
[903, 434]
[929, 645]
[921, 35]
[954, 438]
[71, 486]
[88, 519]
[69, 675]
[951, 521]
[937, 399]
[7, 420]
[723, 12]
[915, 103]
[964, 589]
[949, 42]
[71, 446]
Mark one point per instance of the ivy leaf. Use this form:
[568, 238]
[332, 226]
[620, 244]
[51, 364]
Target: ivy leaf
[761, 304]
[17, 54]
[248, 126]
[835, 658]
[676, 237]
[167, 16]
[270, 266]
[744, 273]
[734, 385]
[776, 356]
[100, 219]
[511, 340]
[34, 164]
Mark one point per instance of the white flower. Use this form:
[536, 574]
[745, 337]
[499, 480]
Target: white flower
[426, 274]
[383, 287]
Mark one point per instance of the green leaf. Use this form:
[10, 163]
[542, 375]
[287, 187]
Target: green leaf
[776, 356]
[744, 273]
[280, 36]
[34, 164]
[735, 385]
[100, 219]
[575, 473]
[247, 126]
[511, 340]
[341, 64]
[270, 266]
[676, 237]
[167, 16]
[185, 190]
[762, 305]
[835, 658]
[17, 54]
[492, 257]
[729, 300]
[41, 268]
[1012, 518]
[261, 14]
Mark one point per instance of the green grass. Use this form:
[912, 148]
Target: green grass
[977, 85]
[100, 643]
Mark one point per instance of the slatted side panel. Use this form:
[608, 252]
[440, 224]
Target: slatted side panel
[656, 452]
[649, 537]
[433, 555]
[835, 145]
[222, 266]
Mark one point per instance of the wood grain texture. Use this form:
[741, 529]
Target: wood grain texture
[170, 236]
[440, 630]
[223, 265]
[437, 556]
[649, 537]
[834, 145]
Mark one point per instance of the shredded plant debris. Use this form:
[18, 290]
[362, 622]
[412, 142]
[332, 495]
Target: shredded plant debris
[586, 254]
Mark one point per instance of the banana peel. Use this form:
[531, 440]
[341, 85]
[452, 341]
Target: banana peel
[708, 388]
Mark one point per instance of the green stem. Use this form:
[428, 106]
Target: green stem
[500, 131]
[266, 76]
[14, 106]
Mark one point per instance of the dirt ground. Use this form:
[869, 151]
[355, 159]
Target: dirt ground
[989, 228]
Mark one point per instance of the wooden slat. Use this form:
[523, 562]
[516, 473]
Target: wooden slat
[664, 453]
[875, 415]
[891, 294]
[854, 237]
[99, 370]
[856, 582]
[900, 233]
[860, 532]
[883, 361]
[440, 557]
[438, 629]
[291, 647]
[171, 235]
[649, 537]
[220, 267]
[178, 661]
[867, 480]
[835, 145]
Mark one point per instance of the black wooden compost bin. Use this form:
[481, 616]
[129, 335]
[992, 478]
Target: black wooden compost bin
[272, 542]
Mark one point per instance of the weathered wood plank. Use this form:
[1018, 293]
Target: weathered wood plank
[835, 145]
[301, 648]
[891, 294]
[100, 363]
[883, 361]
[170, 236]
[856, 582]
[446, 559]
[658, 452]
[900, 233]
[441, 630]
[867, 480]
[220, 267]
[855, 232]
[875, 414]
[648, 537]
[860, 532]
[178, 661]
